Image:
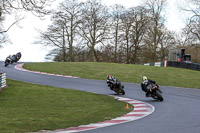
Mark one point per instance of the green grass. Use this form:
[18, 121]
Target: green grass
[124, 72]
[26, 107]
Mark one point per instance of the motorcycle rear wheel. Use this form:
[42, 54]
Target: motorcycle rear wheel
[6, 64]
[159, 96]
[123, 92]
[120, 91]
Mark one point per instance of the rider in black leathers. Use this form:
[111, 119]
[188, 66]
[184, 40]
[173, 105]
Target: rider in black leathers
[19, 54]
[146, 85]
[16, 57]
[112, 80]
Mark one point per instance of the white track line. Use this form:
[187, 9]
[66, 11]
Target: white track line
[19, 67]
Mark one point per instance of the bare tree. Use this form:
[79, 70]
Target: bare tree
[191, 32]
[192, 29]
[94, 26]
[116, 28]
[167, 40]
[70, 13]
[55, 36]
[192, 6]
[63, 30]
[138, 30]
[8, 7]
[156, 24]
[126, 26]
[37, 7]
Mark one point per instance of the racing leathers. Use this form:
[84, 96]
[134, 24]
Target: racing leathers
[146, 86]
[111, 81]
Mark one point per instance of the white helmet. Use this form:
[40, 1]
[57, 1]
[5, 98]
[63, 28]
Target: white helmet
[144, 78]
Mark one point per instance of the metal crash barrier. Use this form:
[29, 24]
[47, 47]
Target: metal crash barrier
[182, 64]
[2, 80]
[186, 65]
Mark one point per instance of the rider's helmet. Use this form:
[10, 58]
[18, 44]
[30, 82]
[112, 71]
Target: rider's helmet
[109, 77]
[144, 78]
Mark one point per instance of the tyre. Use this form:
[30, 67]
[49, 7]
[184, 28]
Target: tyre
[6, 64]
[123, 92]
[159, 96]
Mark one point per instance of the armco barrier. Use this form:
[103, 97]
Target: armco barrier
[186, 65]
[2, 80]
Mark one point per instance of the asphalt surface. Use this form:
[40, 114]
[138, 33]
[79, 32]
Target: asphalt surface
[178, 113]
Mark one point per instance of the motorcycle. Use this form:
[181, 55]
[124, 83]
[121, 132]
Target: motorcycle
[115, 85]
[156, 93]
[8, 61]
[12, 59]
[18, 57]
[15, 59]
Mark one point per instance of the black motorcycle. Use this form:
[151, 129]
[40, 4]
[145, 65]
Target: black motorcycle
[155, 92]
[15, 59]
[12, 59]
[115, 85]
[8, 61]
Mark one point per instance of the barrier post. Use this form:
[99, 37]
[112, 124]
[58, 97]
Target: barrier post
[165, 65]
[2, 80]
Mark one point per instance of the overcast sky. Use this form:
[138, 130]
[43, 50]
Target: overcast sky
[23, 36]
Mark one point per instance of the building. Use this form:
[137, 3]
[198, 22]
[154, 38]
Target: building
[179, 55]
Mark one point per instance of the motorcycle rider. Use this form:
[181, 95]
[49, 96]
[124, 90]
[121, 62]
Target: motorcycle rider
[146, 85]
[19, 54]
[115, 85]
[112, 80]
[13, 57]
[16, 57]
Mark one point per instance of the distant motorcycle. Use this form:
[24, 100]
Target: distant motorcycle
[115, 85]
[15, 58]
[12, 59]
[8, 60]
[155, 92]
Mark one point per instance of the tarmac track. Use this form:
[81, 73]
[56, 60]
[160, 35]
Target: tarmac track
[178, 113]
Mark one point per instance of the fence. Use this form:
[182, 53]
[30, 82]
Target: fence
[186, 65]
[158, 64]
[2, 80]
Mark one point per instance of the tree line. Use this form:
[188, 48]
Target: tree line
[91, 31]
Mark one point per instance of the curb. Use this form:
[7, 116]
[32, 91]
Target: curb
[141, 110]
[19, 67]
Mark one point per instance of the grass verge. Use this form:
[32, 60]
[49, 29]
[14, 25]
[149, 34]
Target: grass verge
[26, 107]
[124, 72]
